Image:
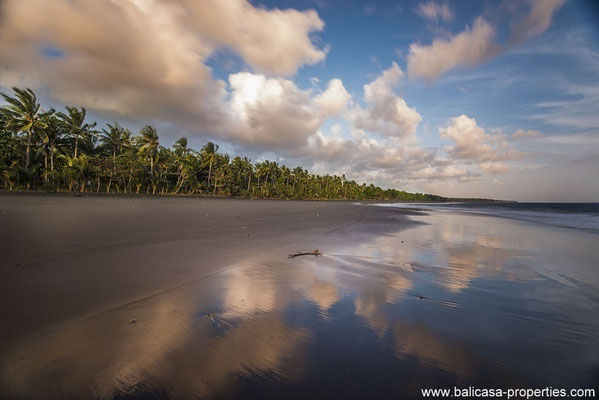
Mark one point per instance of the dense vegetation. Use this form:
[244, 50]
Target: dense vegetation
[62, 151]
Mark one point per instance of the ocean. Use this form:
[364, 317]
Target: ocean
[583, 216]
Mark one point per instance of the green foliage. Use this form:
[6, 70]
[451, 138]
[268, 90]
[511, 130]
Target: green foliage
[66, 157]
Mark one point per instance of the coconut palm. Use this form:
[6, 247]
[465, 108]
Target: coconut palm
[148, 144]
[75, 125]
[77, 169]
[22, 113]
[50, 137]
[180, 147]
[248, 170]
[222, 170]
[209, 152]
[114, 140]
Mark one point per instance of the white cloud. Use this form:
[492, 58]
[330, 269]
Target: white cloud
[526, 134]
[579, 113]
[473, 144]
[467, 48]
[476, 44]
[112, 62]
[434, 11]
[537, 20]
[275, 113]
[334, 99]
[147, 58]
[386, 114]
[272, 41]
[388, 161]
[493, 168]
[575, 139]
[270, 112]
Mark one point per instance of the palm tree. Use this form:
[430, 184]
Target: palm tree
[209, 151]
[180, 147]
[77, 169]
[148, 144]
[22, 113]
[248, 169]
[262, 171]
[75, 125]
[50, 138]
[176, 170]
[221, 171]
[113, 140]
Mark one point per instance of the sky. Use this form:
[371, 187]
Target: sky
[495, 99]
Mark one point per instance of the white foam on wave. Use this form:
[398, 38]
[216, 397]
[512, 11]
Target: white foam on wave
[584, 221]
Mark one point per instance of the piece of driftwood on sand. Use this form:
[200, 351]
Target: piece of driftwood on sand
[310, 253]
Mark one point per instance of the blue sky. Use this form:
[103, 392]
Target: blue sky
[470, 98]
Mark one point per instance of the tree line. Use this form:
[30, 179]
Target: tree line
[62, 151]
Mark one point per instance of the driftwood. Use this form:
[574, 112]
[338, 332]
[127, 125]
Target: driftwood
[311, 253]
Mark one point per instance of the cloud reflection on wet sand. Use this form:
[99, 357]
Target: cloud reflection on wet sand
[409, 302]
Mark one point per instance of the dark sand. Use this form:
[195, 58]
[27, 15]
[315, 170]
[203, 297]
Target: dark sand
[107, 297]
[66, 257]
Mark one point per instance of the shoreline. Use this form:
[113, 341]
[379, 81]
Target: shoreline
[209, 196]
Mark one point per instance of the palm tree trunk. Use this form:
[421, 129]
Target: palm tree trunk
[111, 172]
[210, 171]
[250, 181]
[76, 145]
[215, 181]
[28, 147]
[130, 178]
[264, 184]
[45, 168]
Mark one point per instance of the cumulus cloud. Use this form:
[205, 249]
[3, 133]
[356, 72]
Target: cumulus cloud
[387, 160]
[434, 11]
[473, 144]
[108, 59]
[275, 113]
[334, 99]
[386, 114]
[272, 41]
[147, 58]
[476, 44]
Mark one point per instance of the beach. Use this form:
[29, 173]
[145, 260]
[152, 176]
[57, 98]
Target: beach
[164, 297]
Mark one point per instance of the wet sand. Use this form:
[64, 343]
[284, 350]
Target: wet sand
[106, 297]
[66, 257]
